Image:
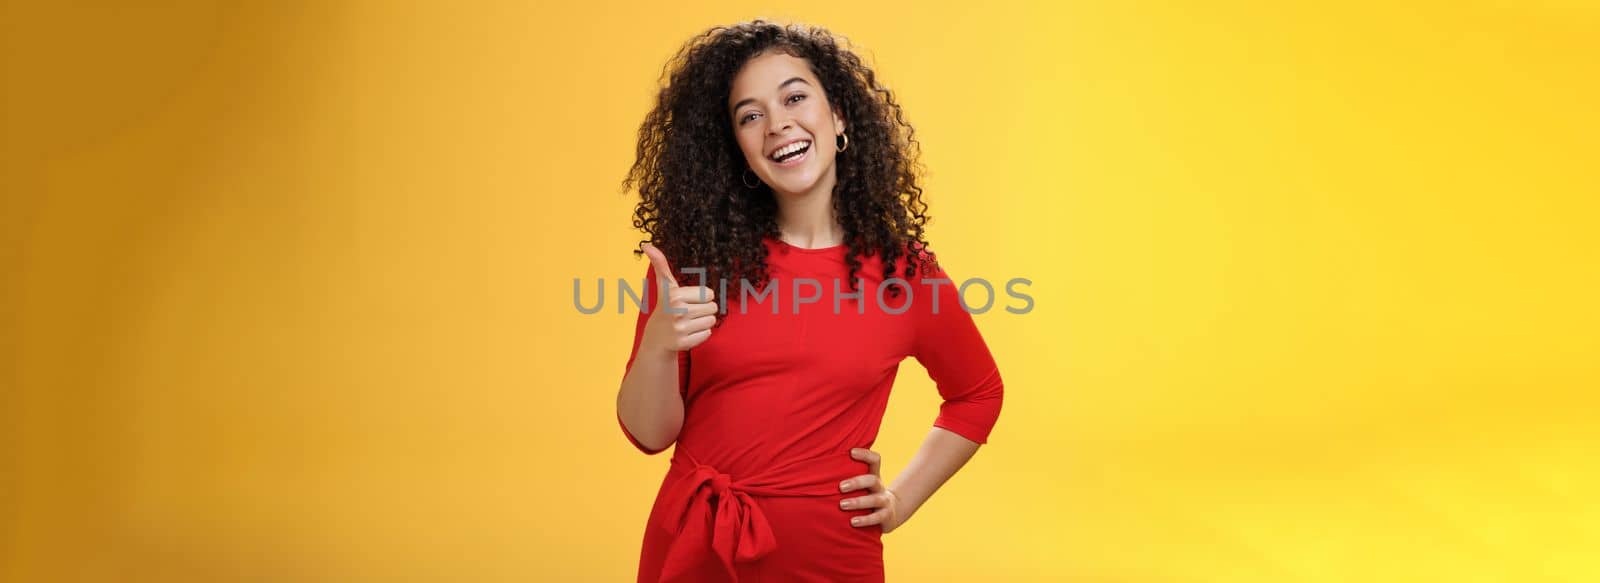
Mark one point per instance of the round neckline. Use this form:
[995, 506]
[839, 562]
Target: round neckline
[791, 246]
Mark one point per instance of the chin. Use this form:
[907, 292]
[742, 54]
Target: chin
[795, 189]
[797, 184]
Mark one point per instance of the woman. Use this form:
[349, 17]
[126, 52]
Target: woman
[775, 165]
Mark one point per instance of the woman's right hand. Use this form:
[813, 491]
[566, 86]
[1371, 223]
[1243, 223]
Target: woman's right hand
[688, 315]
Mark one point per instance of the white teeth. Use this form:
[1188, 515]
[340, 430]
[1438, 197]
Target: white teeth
[790, 149]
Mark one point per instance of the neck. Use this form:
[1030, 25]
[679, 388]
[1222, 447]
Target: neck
[806, 219]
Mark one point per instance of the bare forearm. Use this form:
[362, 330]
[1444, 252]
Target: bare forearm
[648, 401]
[942, 454]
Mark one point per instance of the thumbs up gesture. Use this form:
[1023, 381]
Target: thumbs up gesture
[681, 318]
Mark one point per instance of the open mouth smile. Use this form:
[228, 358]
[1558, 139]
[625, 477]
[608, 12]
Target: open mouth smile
[791, 154]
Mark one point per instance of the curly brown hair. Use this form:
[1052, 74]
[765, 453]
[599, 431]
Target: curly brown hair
[693, 204]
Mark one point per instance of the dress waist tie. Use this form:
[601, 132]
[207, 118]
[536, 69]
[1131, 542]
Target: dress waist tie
[717, 514]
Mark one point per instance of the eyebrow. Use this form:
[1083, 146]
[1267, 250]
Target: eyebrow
[746, 100]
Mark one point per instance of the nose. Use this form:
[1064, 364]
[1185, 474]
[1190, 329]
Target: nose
[779, 124]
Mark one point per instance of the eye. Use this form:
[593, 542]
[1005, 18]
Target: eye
[797, 96]
[747, 117]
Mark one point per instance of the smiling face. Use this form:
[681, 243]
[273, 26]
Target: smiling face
[784, 124]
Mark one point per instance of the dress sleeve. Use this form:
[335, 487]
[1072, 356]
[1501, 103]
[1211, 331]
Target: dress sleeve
[649, 299]
[948, 344]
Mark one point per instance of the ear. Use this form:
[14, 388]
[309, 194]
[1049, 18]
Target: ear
[838, 120]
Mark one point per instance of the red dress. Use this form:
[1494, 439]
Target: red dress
[773, 404]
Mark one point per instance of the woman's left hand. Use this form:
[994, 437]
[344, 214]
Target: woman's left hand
[888, 513]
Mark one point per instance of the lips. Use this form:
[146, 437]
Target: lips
[791, 153]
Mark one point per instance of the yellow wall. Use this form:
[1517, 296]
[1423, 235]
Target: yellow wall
[286, 288]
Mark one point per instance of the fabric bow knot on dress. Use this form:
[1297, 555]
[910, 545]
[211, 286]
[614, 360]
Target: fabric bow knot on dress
[720, 516]
[738, 530]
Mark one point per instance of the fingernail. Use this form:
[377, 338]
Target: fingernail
[855, 521]
[844, 503]
[844, 485]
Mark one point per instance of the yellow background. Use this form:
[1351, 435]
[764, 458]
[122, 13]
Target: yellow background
[287, 287]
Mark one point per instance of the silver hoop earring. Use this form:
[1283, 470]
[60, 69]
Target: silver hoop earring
[747, 182]
[845, 145]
